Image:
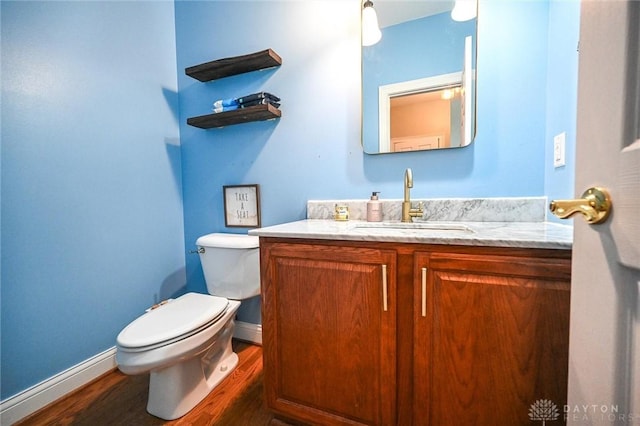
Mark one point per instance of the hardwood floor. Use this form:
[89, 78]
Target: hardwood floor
[118, 399]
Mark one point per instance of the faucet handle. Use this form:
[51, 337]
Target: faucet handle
[416, 212]
[418, 209]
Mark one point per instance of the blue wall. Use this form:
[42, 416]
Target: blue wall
[92, 224]
[98, 171]
[562, 97]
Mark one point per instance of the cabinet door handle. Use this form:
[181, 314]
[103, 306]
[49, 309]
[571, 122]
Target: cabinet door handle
[424, 292]
[384, 287]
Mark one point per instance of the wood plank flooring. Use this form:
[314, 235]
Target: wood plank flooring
[118, 399]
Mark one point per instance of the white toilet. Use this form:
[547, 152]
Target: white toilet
[185, 343]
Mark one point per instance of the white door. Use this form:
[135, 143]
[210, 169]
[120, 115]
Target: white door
[604, 351]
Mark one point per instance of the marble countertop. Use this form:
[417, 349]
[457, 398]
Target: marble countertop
[489, 234]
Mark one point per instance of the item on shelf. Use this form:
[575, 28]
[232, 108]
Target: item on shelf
[225, 108]
[225, 103]
[261, 98]
[259, 102]
[258, 96]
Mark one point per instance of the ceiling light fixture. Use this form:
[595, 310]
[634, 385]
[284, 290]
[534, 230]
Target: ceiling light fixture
[370, 30]
[464, 10]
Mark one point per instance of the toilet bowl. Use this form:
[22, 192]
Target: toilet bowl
[185, 343]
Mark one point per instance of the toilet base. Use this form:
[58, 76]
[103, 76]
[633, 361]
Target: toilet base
[175, 390]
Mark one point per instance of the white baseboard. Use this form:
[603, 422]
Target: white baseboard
[29, 401]
[38, 396]
[248, 332]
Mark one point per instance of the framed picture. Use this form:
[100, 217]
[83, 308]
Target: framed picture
[241, 206]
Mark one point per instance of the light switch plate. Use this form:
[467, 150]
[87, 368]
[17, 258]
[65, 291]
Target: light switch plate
[559, 150]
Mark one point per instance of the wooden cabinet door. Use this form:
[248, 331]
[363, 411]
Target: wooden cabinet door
[329, 333]
[492, 339]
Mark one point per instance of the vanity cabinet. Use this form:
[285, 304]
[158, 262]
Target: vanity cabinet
[449, 335]
[329, 321]
[490, 337]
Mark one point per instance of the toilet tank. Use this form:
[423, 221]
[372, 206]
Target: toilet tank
[231, 264]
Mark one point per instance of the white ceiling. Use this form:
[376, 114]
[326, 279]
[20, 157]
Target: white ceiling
[391, 12]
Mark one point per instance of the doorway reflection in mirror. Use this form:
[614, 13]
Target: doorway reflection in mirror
[422, 121]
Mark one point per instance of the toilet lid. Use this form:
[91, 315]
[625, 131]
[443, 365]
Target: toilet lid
[182, 316]
[234, 241]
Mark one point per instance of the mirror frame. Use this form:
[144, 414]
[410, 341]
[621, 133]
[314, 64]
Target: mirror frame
[465, 78]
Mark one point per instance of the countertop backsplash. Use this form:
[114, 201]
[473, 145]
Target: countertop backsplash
[512, 209]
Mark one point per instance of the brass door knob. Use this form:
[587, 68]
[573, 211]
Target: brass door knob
[594, 205]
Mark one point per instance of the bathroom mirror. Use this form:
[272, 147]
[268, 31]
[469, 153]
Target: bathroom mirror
[418, 81]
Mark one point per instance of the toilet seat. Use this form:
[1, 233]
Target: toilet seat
[181, 318]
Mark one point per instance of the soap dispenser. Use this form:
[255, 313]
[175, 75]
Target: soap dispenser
[374, 208]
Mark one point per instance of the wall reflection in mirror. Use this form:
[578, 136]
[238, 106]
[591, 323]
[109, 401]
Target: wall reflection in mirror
[418, 80]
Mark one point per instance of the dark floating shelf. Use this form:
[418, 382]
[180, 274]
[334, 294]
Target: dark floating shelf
[236, 65]
[242, 115]
[231, 66]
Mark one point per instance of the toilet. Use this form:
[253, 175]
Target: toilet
[185, 343]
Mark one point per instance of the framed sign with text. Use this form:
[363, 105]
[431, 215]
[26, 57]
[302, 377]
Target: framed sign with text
[241, 206]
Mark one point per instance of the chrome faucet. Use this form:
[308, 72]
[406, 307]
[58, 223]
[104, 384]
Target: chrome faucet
[408, 213]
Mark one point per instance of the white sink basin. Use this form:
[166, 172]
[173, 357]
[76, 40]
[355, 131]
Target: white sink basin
[414, 226]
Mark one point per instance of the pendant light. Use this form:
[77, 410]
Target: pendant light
[464, 10]
[370, 30]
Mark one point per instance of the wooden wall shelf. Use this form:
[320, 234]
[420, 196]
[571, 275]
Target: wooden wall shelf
[235, 65]
[242, 115]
